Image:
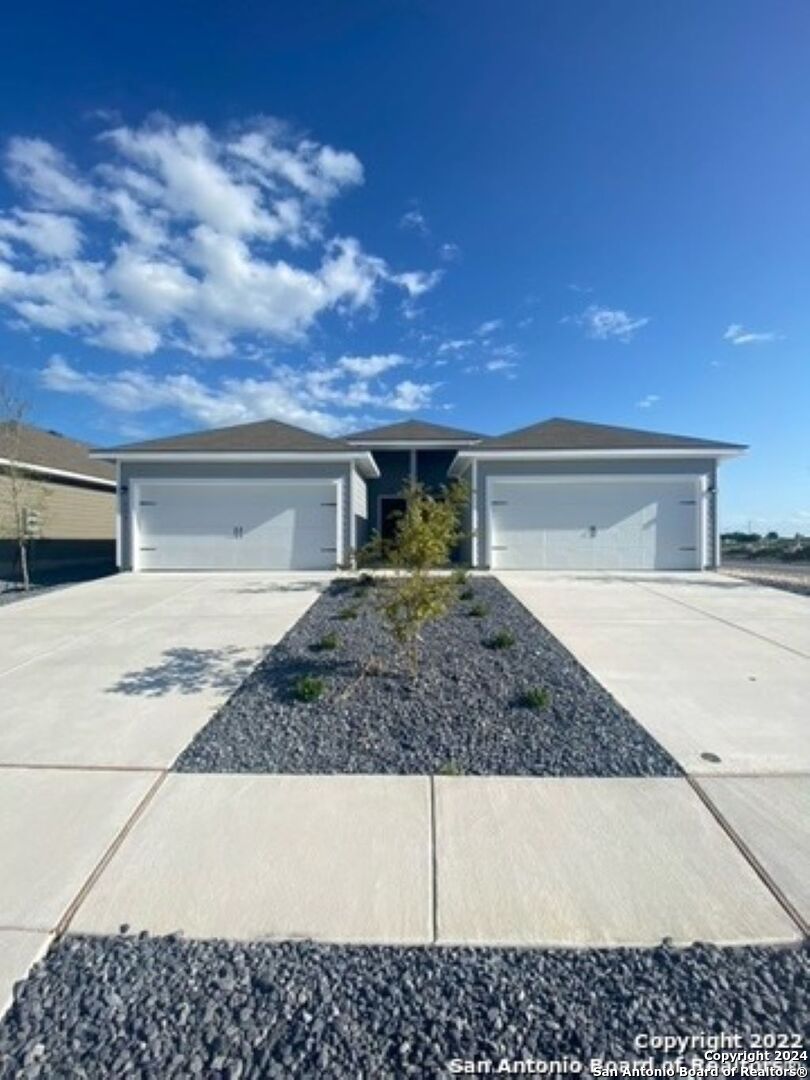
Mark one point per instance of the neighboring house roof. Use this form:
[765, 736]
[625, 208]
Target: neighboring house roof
[561, 434]
[413, 431]
[48, 451]
[264, 436]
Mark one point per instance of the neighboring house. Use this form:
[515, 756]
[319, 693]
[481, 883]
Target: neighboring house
[560, 494]
[72, 494]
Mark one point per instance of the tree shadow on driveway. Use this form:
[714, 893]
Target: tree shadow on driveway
[189, 671]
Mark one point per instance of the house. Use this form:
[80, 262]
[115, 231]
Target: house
[68, 496]
[560, 494]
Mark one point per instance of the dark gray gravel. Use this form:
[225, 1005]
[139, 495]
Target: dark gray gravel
[462, 715]
[163, 1007]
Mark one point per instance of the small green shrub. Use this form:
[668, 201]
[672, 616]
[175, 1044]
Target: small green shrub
[466, 594]
[308, 688]
[366, 580]
[535, 697]
[478, 611]
[348, 613]
[504, 639]
[450, 768]
[326, 643]
[459, 577]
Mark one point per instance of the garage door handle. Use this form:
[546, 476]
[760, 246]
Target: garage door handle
[238, 532]
[499, 502]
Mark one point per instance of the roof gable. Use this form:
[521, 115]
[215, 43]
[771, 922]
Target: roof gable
[559, 433]
[413, 431]
[263, 436]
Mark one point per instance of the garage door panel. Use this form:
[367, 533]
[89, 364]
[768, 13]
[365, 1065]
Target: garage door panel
[266, 525]
[594, 525]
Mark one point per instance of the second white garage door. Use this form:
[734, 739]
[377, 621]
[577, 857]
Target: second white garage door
[633, 524]
[233, 525]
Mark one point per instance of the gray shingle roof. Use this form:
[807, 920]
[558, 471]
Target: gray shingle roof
[561, 434]
[29, 445]
[413, 431]
[264, 436]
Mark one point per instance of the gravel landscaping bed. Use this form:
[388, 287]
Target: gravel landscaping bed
[464, 714]
[164, 1007]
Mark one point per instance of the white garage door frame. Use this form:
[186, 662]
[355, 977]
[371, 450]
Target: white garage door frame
[277, 481]
[699, 482]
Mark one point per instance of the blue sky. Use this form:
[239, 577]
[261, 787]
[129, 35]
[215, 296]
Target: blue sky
[482, 214]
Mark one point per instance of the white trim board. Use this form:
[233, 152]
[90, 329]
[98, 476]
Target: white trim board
[363, 460]
[464, 457]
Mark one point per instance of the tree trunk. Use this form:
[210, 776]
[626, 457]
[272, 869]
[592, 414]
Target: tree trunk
[26, 580]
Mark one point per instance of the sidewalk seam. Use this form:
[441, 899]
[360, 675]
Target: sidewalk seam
[749, 857]
[69, 913]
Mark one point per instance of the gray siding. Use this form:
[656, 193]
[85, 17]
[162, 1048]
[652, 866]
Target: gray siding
[359, 503]
[697, 467]
[180, 470]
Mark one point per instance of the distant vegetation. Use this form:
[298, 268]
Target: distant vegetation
[770, 547]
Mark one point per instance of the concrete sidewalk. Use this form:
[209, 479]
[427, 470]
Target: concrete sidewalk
[467, 860]
[717, 670]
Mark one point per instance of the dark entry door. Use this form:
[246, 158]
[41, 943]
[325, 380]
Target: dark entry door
[391, 509]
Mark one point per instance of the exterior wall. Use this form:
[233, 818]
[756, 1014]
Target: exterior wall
[699, 467]
[78, 530]
[68, 511]
[199, 470]
[432, 466]
[359, 503]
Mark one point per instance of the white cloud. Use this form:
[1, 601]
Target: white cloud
[449, 252]
[489, 327]
[409, 396]
[368, 367]
[51, 235]
[182, 223]
[416, 221]
[603, 323]
[455, 345]
[46, 176]
[500, 364]
[417, 282]
[320, 398]
[648, 401]
[738, 335]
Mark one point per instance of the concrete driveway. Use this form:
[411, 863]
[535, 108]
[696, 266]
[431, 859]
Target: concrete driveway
[102, 685]
[718, 670]
[122, 672]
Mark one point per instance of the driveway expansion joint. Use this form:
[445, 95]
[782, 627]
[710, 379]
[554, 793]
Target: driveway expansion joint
[749, 856]
[720, 619]
[62, 926]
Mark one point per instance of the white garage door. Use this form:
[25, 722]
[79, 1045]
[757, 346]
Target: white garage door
[262, 525]
[633, 524]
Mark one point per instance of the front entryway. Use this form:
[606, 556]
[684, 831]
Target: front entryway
[391, 509]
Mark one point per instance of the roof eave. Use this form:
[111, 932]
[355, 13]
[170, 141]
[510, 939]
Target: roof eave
[362, 458]
[463, 457]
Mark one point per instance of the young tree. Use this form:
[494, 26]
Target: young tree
[22, 495]
[425, 535]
